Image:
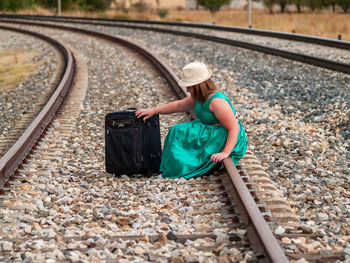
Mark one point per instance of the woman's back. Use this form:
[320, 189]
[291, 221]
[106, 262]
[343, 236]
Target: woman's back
[203, 112]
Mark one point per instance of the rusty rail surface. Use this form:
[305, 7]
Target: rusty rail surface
[258, 231]
[260, 234]
[18, 152]
[320, 62]
[260, 32]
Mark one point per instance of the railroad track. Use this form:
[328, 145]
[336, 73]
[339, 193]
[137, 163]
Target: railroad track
[200, 213]
[209, 33]
[17, 153]
[24, 112]
[249, 162]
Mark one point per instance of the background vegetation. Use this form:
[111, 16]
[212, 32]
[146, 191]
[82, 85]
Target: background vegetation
[141, 5]
[90, 5]
[324, 18]
[313, 5]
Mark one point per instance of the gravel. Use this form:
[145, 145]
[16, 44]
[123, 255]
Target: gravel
[65, 195]
[335, 54]
[296, 117]
[17, 102]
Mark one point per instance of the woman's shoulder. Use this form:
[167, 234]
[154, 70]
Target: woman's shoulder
[215, 95]
[220, 95]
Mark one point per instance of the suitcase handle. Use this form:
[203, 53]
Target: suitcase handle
[121, 123]
[131, 109]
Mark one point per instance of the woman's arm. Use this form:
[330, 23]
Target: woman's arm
[186, 104]
[223, 112]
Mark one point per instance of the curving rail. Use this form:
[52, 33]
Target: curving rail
[260, 32]
[258, 231]
[18, 152]
[260, 234]
[162, 67]
[316, 61]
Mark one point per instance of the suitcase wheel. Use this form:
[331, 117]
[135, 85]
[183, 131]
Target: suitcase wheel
[149, 174]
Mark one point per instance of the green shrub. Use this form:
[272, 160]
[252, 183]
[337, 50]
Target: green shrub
[95, 5]
[213, 5]
[313, 4]
[140, 6]
[14, 5]
[163, 12]
[3, 4]
[65, 4]
[180, 8]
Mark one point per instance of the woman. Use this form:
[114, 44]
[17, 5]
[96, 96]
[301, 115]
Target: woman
[193, 148]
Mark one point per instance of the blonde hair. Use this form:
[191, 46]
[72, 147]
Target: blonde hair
[202, 90]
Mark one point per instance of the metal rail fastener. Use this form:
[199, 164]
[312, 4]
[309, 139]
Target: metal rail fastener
[257, 228]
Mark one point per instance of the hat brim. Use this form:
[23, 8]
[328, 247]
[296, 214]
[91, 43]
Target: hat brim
[188, 83]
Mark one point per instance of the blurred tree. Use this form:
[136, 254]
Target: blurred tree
[213, 5]
[140, 6]
[66, 4]
[13, 5]
[95, 5]
[29, 3]
[282, 4]
[314, 4]
[269, 4]
[48, 3]
[345, 5]
[3, 4]
[298, 4]
[332, 3]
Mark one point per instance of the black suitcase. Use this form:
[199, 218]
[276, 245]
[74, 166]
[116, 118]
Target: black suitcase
[132, 146]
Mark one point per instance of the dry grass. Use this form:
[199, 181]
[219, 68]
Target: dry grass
[323, 24]
[162, 3]
[15, 66]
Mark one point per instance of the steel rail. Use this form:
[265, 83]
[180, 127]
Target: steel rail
[162, 67]
[260, 32]
[320, 62]
[271, 250]
[18, 152]
[257, 228]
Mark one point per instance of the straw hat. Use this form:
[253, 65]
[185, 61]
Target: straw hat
[194, 73]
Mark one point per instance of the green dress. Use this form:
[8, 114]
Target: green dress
[189, 145]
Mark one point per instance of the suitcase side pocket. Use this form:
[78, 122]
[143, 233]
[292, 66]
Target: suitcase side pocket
[152, 150]
[123, 151]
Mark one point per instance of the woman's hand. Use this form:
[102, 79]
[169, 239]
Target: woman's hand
[147, 113]
[219, 157]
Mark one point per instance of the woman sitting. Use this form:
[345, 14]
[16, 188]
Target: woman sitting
[193, 148]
